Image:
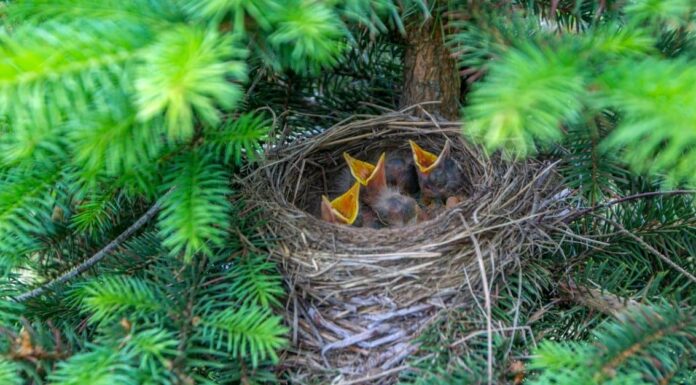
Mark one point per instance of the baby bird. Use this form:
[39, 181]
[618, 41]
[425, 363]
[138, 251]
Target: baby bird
[344, 209]
[342, 181]
[395, 209]
[368, 218]
[438, 175]
[401, 173]
[391, 207]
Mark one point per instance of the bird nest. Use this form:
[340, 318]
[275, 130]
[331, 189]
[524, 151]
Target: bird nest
[359, 297]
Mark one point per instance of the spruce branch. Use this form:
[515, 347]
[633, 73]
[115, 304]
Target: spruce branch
[195, 215]
[105, 298]
[186, 76]
[613, 202]
[101, 254]
[8, 372]
[100, 365]
[651, 249]
[643, 345]
[248, 332]
[650, 331]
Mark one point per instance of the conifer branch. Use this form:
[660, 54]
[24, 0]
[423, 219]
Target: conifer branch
[610, 203]
[652, 250]
[101, 254]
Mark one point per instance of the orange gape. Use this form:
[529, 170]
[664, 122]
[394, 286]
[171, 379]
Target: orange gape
[344, 209]
[426, 161]
[362, 171]
[373, 177]
[439, 177]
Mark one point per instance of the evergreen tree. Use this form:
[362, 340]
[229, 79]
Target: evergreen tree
[123, 125]
[128, 257]
[600, 85]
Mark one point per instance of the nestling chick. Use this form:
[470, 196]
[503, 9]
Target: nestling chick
[342, 181]
[401, 173]
[391, 207]
[438, 175]
[344, 209]
[367, 218]
[395, 209]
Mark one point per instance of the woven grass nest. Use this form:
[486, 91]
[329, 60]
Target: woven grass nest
[359, 297]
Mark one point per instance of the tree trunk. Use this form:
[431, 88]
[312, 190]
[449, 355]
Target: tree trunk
[430, 74]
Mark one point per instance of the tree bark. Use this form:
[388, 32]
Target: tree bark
[430, 73]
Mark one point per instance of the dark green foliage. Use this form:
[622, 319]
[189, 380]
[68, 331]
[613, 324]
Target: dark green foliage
[238, 137]
[96, 213]
[624, 351]
[107, 298]
[108, 107]
[246, 331]
[158, 326]
[197, 204]
[588, 168]
[129, 104]
[253, 282]
[596, 85]
[306, 103]
[563, 78]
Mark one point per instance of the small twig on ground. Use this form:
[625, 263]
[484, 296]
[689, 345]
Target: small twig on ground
[596, 299]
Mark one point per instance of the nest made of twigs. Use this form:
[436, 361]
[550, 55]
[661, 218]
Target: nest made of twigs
[359, 296]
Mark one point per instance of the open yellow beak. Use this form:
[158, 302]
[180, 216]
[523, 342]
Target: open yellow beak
[361, 170]
[343, 209]
[427, 161]
[374, 177]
